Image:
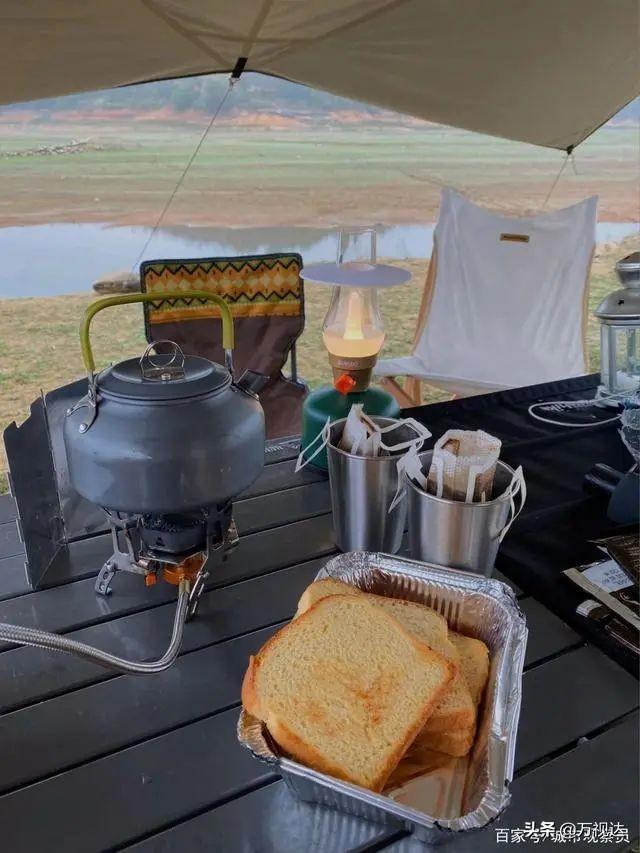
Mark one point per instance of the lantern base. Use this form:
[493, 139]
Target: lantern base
[357, 369]
[326, 402]
[626, 386]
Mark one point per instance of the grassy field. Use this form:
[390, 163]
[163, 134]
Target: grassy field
[39, 337]
[313, 176]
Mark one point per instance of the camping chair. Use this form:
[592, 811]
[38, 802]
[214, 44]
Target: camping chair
[266, 298]
[504, 303]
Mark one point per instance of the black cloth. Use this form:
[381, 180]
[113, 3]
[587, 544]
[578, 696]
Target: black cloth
[560, 517]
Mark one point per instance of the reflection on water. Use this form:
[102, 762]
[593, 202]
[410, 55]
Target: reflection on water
[46, 260]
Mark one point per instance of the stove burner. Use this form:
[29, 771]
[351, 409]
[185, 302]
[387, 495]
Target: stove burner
[171, 523]
[167, 545]
[174, 534]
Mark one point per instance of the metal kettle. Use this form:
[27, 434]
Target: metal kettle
[165, 433]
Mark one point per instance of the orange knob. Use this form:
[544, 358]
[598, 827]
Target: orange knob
[188, 569]
[150, 579]
[345, 383]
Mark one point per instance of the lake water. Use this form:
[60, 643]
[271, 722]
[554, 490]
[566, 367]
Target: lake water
[47, 260]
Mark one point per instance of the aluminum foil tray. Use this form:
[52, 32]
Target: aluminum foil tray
[467, 793]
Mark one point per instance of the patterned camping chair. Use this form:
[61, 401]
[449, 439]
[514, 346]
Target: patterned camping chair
[266, 297]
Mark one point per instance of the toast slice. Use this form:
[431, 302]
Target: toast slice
[474, 661]
[473, 657]
[344, 689]
[457, 740]
[456, 708]
[412, 768]
[321, 589]
[453, 743]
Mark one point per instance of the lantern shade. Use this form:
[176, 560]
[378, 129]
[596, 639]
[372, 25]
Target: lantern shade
[620, 358]
[619, 315]
[353, 325]
[355, 274]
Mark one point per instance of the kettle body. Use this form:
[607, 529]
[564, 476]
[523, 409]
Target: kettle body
[166, 455]
[162, 434]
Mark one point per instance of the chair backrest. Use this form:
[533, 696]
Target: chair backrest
[507, 303]
[264, 292]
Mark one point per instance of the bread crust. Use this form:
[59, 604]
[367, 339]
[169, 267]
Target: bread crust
[477, 681]
[456, 744]
[248, 692]
[306, 599]
[462, 719]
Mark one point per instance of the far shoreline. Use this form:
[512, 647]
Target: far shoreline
[205, 219]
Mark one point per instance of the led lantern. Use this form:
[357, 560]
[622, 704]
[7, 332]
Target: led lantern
[353, 335]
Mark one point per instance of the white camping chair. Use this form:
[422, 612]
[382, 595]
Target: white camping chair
[504, 304]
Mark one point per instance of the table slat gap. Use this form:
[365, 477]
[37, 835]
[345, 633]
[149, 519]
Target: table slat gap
[563, 750]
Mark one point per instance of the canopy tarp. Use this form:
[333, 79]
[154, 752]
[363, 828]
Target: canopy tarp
[548, 72]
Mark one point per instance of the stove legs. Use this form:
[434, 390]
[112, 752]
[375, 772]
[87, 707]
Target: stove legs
[105, 576]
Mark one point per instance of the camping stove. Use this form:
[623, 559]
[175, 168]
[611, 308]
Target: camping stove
[174, 547]
[158, 447]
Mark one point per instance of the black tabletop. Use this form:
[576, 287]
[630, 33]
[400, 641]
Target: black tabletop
[94, 761]
[560, 519]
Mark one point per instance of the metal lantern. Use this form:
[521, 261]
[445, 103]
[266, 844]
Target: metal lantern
[619, 316]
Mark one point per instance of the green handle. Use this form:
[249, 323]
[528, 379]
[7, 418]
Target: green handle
[128, 298]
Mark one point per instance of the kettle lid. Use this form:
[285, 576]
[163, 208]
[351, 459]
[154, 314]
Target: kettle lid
[163, 376]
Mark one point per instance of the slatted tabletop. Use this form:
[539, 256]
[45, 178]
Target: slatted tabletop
[94, 761]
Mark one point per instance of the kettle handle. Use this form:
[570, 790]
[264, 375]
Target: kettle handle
[128, 298]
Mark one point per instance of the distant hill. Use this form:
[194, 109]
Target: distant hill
[255, 94]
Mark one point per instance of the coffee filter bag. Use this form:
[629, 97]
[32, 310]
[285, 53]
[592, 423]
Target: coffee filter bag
[463, 465]
[360, 435]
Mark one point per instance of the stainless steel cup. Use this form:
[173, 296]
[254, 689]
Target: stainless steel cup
[458, 534]
[362, 490]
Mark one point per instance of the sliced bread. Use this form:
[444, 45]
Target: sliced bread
[474, 669]
[456, 708]
[345, 688]
[455, 743]
[321, 589]
[411, 768]
[457, 740]
[474, 662]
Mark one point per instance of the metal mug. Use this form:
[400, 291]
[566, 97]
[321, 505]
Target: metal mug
[362, 490]
[457, 534]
